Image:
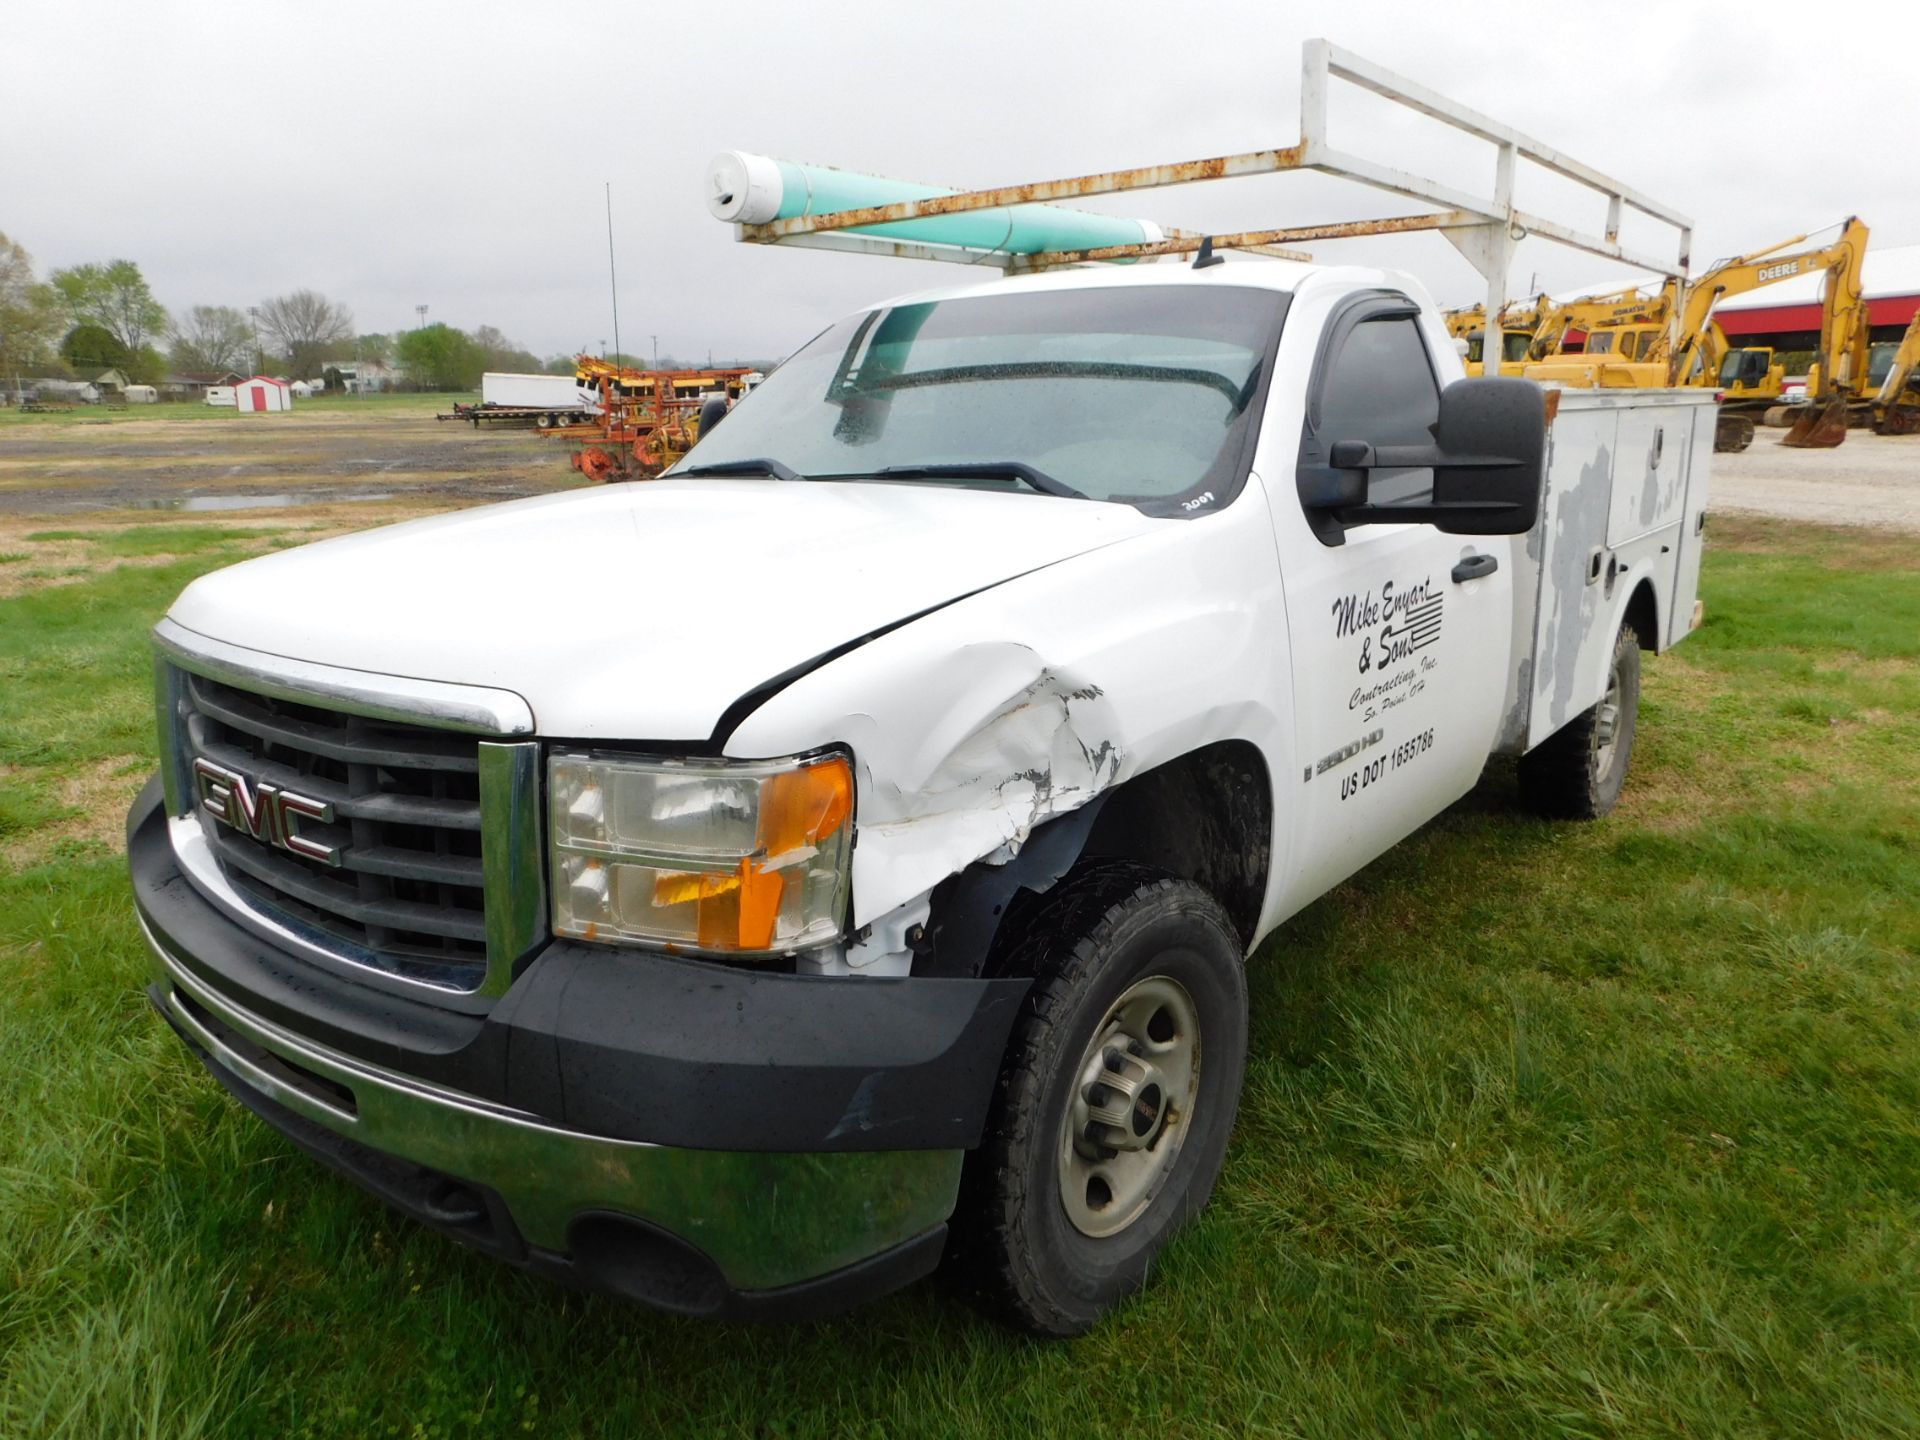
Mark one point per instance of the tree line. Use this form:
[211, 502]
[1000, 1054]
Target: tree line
[88, 318]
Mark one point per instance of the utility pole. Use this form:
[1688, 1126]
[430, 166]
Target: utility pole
[656, 352]
[259, 361]
[613, 283]
[421, 311]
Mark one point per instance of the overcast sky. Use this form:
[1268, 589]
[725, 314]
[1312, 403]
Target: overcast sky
[454, 155]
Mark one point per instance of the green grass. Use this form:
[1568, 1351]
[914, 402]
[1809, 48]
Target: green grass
[1548, 1129]
[153, 538]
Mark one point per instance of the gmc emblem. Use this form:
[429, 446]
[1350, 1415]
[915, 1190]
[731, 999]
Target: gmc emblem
[266, 812]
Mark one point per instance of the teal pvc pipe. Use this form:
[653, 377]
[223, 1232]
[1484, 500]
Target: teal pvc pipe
[1014, 230]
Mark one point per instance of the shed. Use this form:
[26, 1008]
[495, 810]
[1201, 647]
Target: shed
[141, 394]
[301, 390]
[261, 393]
[69, 391]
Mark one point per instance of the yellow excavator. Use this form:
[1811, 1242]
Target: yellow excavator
[1516, 333]
[1599, 318]
[1896, 407]
[1535, 329]
[1677, 343]
[1462, 323]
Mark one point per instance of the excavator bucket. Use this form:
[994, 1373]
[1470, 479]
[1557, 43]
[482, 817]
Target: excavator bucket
[1823, 426]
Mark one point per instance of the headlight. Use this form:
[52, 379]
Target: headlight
[711, 855]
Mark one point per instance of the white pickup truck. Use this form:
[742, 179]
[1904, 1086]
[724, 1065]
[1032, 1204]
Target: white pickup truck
[739, 890]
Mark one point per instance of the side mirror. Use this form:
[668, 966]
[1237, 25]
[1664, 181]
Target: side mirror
[1488, 461]
[713, 410]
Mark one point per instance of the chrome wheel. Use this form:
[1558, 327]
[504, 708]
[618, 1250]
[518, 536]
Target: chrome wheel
[1131, 1106]
[1606, 725]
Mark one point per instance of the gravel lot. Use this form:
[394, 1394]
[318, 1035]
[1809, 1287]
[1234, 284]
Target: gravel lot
[1870, 480]
[316, 455]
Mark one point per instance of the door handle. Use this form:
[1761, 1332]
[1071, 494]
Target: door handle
[1474, 567]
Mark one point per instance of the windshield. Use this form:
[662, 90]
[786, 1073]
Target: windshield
[1880, 361]
[1744, 367]
[1146, 395]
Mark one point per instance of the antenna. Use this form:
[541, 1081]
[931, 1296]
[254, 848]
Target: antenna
[613, 281]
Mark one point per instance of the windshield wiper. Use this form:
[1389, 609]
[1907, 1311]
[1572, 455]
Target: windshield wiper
[759, 465]
[986, 470]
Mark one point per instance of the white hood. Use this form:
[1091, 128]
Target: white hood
[640, 612]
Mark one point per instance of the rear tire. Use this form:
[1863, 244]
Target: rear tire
[1114, 1103]
[1578, 772]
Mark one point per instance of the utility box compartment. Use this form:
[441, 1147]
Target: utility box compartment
[1625, 501]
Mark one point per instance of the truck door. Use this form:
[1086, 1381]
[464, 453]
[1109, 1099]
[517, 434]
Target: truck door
[1400, 634]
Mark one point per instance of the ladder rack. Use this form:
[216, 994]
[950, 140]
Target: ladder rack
[1485, 228]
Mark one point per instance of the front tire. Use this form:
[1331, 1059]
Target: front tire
[1115, 1099]
[1578, 772]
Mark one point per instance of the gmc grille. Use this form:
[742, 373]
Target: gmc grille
[409, 894]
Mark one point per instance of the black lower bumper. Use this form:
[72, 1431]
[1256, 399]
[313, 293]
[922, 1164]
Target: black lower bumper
[630, 1044]
[706, 1140]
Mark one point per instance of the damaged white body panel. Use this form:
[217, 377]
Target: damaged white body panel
[986, 718]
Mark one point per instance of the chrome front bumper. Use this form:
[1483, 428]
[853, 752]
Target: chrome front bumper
[766, 1221]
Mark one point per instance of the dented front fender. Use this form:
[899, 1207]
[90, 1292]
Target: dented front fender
[972, 725]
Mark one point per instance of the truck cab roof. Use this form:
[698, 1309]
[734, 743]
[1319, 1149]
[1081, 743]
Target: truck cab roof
[1239, 271]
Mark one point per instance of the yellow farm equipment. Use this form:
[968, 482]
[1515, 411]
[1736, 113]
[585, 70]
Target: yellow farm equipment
[648, 418]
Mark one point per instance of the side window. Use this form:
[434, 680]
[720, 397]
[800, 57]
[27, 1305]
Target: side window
[1380, 388]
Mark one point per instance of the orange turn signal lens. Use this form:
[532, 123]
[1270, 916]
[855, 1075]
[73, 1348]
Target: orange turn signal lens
[735, 910]
[803, 807]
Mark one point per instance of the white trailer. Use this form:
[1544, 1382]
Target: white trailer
[515, 399]
[531, 392]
